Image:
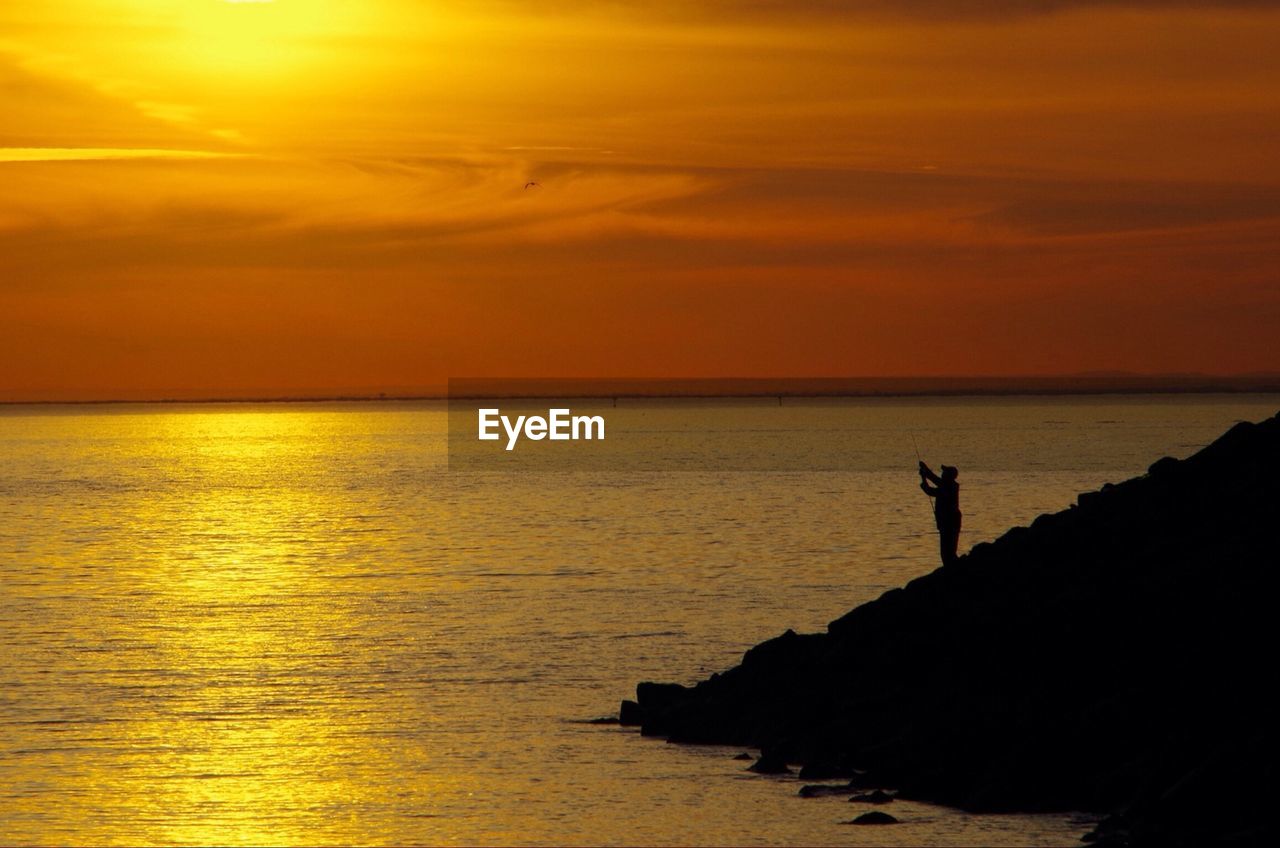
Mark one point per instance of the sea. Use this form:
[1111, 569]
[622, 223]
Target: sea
[293, 624]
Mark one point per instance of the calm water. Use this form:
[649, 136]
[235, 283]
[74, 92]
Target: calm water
[290, 624]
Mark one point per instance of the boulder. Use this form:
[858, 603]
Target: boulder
[630, 714]
[822, 790]
[878, 796]
[770, 763]
[825, 771]
[1098, 660]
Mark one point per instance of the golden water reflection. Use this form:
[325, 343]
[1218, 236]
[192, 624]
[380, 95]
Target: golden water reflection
[227, 667]
[288, 625]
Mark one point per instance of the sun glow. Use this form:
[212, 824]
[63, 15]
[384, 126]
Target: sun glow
[314, 178]
[253, 37]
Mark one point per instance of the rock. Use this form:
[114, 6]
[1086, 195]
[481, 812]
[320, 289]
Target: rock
[658, 703]
[980, 548]
[744, 756]
[661, 696]
[820, 790]
[630, 714]
[604, 720]
[769, 764]
[874, 817]
[1089, 499]
[1105, 658]
[865, 780]
[878, 796]
[825, 771]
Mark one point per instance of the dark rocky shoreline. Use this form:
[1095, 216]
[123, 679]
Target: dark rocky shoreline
[1115, 657]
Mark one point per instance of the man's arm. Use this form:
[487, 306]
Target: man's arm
[929, 490]
[926, 473]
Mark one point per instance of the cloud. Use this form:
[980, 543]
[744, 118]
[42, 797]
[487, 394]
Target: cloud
[748, 11]
[50, 108]
[853, 173]
[472, 217]
[97, 154]
[222, 274]
[1102, 208]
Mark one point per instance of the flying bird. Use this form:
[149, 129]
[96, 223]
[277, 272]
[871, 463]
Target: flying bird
[532, 184]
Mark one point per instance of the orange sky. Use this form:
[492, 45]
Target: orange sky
[210, 198]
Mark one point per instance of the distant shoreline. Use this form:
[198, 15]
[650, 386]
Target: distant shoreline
[749, 388]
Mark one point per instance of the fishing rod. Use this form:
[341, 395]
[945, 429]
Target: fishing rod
[933, 507]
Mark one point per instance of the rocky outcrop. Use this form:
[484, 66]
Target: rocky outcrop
[1114, 657]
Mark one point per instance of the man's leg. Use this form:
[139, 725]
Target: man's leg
[950, 538]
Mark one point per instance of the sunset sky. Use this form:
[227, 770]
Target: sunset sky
[206, 198]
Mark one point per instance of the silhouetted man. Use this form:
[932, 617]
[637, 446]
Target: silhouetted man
[946, 506]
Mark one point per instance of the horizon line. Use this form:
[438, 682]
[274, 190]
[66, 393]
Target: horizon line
[1080, 383]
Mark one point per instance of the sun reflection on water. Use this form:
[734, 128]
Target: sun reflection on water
[288, 625]
[225, 668]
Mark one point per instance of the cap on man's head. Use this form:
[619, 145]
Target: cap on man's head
[950, 471]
